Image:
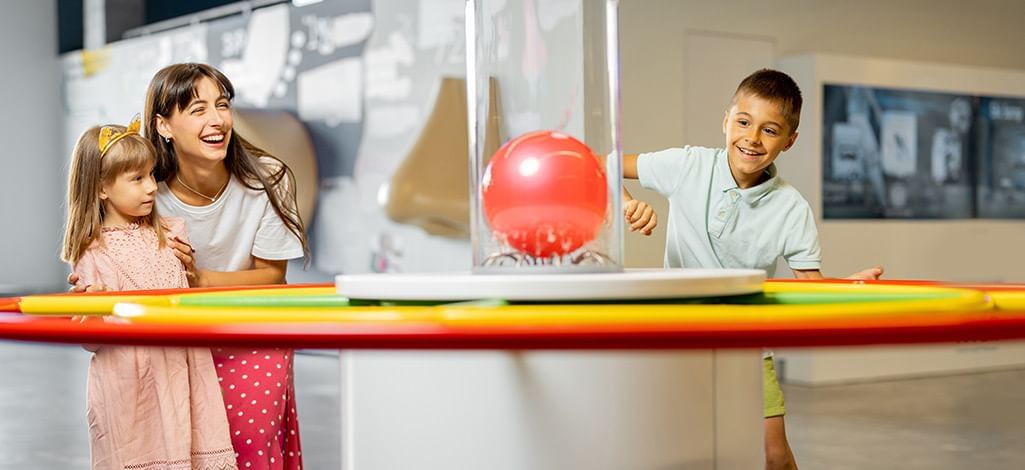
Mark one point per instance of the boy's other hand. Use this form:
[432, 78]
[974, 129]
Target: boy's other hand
[640, 216]
[870, 274]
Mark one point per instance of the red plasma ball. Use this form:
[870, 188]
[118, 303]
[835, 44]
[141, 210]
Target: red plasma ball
[544, 194]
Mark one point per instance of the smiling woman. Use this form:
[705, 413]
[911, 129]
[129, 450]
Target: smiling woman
[240, 207]
[206, 169]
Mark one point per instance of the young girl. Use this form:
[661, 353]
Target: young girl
[240, 205]
[148, 407]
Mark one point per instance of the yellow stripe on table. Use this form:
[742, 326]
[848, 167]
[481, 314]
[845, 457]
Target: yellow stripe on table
[961, 301]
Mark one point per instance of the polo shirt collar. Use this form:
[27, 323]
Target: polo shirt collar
[725, 182]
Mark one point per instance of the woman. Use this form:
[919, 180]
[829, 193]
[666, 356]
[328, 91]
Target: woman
[239, 206]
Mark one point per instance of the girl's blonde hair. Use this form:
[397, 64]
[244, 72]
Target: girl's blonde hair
[90, 171]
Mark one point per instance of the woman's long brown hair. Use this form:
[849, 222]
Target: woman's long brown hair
[170, 91]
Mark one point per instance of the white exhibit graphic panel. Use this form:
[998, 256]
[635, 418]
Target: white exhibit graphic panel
[900, 147]
[332, 93]
[256, 72]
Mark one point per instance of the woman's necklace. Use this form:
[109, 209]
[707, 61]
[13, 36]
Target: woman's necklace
[197, 193]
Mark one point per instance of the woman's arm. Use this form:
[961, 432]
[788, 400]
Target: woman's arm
[264, 271]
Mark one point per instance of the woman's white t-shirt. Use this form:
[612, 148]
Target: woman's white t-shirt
[238, 226]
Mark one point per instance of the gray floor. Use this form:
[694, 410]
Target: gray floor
[973, 421]
[957, 422]
[42, 407]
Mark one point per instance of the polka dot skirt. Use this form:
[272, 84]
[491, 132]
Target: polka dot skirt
[260, 401]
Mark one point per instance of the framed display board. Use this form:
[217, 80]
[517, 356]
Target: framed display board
[905, 153]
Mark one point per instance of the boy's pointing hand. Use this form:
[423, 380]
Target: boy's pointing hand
[640, 216]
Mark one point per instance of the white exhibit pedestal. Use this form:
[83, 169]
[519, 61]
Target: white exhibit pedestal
[548, 410]
[552, 410]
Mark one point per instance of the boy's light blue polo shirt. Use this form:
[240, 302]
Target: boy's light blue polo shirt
[715, 224]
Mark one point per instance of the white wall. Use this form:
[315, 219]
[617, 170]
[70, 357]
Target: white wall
[656, 113]
[32, 179]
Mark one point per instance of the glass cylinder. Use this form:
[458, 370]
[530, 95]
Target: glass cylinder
[542, 84]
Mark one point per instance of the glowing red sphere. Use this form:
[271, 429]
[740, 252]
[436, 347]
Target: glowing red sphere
[545, 194]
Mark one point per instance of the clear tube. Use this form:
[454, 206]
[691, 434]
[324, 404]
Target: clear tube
[543, 113]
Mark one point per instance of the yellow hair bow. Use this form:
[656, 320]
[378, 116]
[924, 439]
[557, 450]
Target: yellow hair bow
[110, 135]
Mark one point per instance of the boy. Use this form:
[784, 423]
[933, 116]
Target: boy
[730, 209]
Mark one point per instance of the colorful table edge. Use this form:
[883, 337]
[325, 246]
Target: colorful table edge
[974, 319]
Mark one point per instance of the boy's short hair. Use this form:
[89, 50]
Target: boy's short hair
[775, 86]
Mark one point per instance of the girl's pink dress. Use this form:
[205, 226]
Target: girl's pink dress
[150, 408]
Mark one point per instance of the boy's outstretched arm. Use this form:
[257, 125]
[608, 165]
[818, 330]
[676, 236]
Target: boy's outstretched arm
[639, 214]
[808, 274]
[630, 165]
[870, 274]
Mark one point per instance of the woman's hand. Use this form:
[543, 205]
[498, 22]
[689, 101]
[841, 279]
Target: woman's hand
[640, 216]
[187, 255]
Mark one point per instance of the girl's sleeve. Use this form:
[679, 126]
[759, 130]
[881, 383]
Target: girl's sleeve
[92, 269]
